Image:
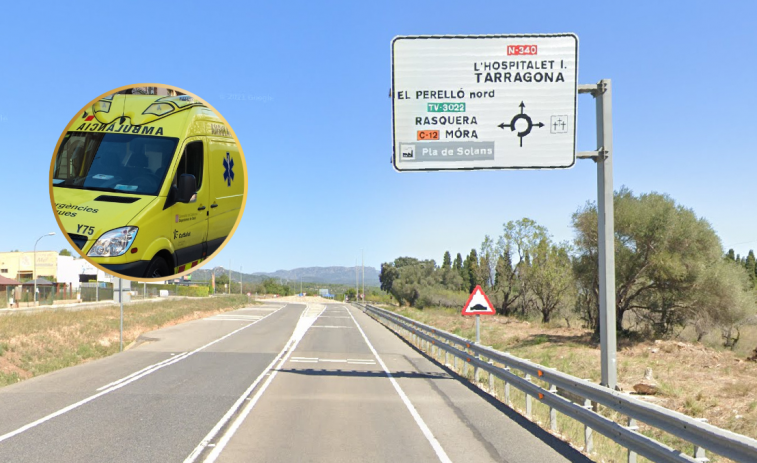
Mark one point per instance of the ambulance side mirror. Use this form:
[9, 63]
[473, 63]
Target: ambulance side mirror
[187, 186]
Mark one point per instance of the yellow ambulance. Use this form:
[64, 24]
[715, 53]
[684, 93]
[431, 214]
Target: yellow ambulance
[148, 186]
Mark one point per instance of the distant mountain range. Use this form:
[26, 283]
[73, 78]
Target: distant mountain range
[331, 275]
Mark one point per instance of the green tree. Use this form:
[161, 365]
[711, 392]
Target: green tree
[64, 252]
[511, 251]
[472, 267]
[388, 274]
[731, 255]
[550, 278]
[446, 261]
[487, 263]
[406, 277]
[750, 266]
[464, 272]
[505, 291]
[458, 264]
[222, 280]
[725, 302]
[663, 253]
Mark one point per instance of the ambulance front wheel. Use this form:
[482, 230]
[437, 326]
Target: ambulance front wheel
[158, 268]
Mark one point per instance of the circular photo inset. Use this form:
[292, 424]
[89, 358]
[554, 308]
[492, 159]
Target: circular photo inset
[148, 182]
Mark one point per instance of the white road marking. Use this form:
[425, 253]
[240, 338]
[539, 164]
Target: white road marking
[173, 357]
[231, 319]
[440, 453]
[306, 320]
[316, 360]
[121, 383]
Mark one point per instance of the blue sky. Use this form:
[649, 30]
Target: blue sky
[305, 87]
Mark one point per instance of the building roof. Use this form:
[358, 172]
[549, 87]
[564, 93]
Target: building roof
[40, 282]
[8, 281]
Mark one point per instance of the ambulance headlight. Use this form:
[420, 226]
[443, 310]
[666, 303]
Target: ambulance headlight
[101, 106]
[158, 109]
[113, 243]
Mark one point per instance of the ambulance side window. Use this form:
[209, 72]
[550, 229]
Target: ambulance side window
[191, 163]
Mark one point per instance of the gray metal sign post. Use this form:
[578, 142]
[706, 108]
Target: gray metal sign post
[602, 92]
[478, 342]
[121, 300]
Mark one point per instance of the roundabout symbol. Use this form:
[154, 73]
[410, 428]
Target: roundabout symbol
[516, 118]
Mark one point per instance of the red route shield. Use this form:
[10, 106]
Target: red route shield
[478, 303]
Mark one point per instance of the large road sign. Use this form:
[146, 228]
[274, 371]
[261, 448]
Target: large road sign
[484, 102]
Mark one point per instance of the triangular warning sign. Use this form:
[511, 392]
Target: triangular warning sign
[478, 303]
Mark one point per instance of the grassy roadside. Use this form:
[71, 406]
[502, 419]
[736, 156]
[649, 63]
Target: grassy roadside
[696, 380]
[38, 343]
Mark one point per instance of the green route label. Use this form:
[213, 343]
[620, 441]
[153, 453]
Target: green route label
[446, 107]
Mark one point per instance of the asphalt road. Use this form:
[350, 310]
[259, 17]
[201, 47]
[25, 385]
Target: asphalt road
[273, 383]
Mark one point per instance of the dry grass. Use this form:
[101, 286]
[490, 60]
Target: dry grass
[38, 343]
[700, 381]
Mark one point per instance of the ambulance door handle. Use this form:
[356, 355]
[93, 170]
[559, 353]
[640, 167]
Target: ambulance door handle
[201, 208]
[213, 205]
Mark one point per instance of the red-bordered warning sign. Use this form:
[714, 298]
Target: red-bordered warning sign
[478, 303]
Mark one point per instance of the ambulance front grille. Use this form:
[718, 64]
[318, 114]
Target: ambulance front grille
[79, 240]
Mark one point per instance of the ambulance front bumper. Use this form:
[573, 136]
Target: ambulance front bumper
[132, 269]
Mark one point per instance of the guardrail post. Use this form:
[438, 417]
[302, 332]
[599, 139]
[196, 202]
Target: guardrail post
[633, 427]
[491, 381]
[699, 453]
[507, 389]
[446, 357]
[455, 362]
[588, 439]
[528, 399]
[465, 365]
[552, 411]
[476, 373]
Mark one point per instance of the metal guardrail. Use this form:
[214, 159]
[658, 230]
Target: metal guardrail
[704, 436]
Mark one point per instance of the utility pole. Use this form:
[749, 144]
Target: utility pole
[357, 289]
[34, 274]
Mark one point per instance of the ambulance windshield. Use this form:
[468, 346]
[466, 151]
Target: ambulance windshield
[120, 163]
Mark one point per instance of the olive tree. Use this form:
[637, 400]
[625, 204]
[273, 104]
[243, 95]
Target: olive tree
[664, 256]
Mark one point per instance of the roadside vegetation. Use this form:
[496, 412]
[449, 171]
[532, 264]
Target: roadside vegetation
[685, 309]
[38, 343]
[672, 277]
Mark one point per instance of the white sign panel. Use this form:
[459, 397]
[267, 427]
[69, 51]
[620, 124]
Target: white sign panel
[484, 102]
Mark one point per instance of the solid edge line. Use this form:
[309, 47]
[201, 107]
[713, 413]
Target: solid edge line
[84, 401]
[288, 350]
[440, 453]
